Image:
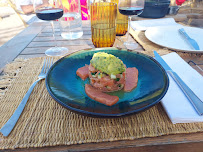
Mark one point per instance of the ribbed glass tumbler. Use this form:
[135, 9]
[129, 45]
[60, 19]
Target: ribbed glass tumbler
[103, 23]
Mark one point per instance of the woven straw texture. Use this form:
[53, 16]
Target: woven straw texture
[45, 123]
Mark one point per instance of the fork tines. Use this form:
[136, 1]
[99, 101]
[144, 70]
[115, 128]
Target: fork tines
[47, 64]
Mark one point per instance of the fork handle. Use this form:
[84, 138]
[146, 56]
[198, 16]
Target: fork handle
[8, 127]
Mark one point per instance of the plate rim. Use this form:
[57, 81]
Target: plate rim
[171, 48]
[93, 114]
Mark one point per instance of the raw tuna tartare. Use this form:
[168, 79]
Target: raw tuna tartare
[107, 73]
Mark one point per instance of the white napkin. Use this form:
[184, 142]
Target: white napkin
[176, 104]
[144, 24]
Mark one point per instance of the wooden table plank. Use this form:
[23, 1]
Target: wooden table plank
[59, 43]
[36, 52]
[184, 142]
[49, 37]
[11, 49]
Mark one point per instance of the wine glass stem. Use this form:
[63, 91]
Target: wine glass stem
[53, 32]
[128, 33]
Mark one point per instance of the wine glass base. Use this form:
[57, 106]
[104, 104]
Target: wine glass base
[56, 51]
[130, 45]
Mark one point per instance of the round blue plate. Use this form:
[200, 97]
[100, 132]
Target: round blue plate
[68, 89]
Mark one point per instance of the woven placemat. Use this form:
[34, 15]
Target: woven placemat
[46, 123]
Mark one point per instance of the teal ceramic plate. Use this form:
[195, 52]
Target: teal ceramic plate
[68, 89]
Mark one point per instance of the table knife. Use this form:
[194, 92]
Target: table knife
[191, 41]
[195, 101]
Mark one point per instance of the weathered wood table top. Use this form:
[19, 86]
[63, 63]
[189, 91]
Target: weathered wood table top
[35, 39]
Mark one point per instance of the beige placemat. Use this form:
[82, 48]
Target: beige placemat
[45, 123]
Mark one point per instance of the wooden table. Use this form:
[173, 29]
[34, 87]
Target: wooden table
[35, 39]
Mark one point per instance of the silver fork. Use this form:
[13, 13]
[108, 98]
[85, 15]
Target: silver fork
[10, 124]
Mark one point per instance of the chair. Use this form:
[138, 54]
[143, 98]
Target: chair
[10, 2]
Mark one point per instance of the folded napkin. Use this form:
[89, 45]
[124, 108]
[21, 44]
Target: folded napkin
[176, 104]
[144, 24]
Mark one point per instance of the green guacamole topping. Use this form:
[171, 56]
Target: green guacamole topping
[107, 63]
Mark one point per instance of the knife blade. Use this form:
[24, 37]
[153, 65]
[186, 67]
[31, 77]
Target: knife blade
[191, 41]
[195, 101]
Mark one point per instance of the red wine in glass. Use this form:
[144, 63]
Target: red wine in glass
[49, 14]
[50, 11]
[131, 10]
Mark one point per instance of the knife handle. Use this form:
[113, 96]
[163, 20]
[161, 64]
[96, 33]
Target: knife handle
[196, 102]
[182, 31]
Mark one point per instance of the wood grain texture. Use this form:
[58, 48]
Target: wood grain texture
[11, 49]
[170, 143]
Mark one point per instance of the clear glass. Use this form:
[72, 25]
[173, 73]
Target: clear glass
[130, 8]
[50, 10]
[71, 21]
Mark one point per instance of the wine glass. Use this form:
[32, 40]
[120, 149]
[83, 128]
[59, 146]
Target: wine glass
[130, 8]
[50, 10]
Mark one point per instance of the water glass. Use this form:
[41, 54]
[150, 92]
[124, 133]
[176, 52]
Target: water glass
[103, 23]
[71, 22]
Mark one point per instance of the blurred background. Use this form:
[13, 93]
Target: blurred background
[11, 24]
